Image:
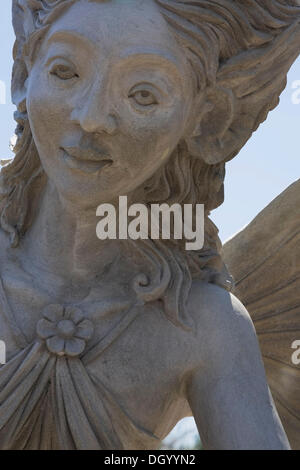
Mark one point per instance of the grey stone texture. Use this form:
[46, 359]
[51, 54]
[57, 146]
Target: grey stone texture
[110, 343]
[264, 259]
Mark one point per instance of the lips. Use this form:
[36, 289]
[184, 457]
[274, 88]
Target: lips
[88, 160]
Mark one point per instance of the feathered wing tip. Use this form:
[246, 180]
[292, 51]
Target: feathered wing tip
[264, 261]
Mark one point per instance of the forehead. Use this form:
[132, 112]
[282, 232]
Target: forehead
[114, 26]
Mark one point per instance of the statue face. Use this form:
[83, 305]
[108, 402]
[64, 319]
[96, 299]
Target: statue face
[109, 97]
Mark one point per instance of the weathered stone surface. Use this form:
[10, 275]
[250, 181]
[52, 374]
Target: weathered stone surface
[264, 259]
[110, 343]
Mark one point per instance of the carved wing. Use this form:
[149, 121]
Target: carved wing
[264, 260]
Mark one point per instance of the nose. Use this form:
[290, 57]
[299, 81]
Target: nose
[94, 116]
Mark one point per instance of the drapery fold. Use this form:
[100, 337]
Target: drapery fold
[50, 401]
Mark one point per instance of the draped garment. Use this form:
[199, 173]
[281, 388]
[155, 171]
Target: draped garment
[49, 400]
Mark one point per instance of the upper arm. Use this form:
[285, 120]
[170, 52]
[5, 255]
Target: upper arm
[227, 390]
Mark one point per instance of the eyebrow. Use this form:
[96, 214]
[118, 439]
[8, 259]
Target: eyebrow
[68, 35]
[151, 53]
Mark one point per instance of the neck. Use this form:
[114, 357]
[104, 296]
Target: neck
[63, 240]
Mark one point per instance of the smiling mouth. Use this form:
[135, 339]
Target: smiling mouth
[84, 160]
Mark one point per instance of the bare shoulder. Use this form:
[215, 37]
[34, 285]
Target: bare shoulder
[212, 304]
[223, 327]
[226, 387]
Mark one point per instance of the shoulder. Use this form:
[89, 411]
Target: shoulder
[211, 303]
[222, 325]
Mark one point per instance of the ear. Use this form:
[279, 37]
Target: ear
[214, 113]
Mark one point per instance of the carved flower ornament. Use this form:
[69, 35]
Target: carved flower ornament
[65, 330]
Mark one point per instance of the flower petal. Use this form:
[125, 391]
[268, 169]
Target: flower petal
[45, 328]
[74, 347]
[56, 345]
[85, 330]
[53, 312]
[74, 314]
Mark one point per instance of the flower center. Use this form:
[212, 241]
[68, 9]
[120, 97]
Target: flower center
[66, 328]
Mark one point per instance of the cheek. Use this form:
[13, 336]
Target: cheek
[156, 131]
[46, 111]
[149, 141]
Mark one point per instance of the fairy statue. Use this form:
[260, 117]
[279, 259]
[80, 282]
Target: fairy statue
[111, 342]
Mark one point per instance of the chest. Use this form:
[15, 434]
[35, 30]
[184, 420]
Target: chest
[139, 357]
[145, 370]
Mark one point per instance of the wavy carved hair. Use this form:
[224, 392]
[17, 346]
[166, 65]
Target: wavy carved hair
[211, 34]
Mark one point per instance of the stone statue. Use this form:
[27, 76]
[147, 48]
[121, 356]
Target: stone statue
[267, 280]
[110, 343]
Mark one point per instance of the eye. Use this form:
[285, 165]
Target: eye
[64, 72]
[143, 97]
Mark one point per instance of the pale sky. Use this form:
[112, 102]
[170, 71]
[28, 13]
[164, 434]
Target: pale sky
[265, 167]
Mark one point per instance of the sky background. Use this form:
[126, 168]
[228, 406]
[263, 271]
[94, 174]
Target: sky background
[264, 168]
